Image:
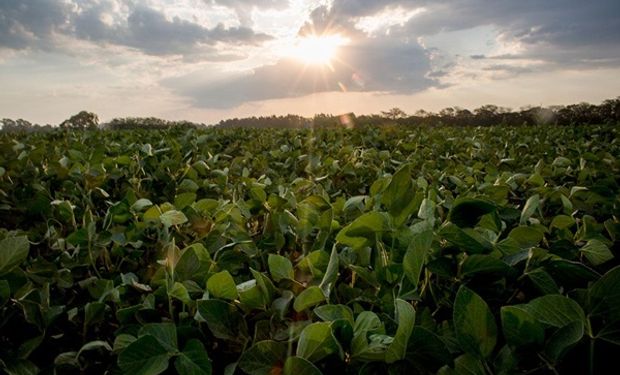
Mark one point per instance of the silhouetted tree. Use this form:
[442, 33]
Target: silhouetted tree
[81, 121]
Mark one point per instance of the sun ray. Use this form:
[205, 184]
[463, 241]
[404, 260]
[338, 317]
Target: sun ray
[317, 49]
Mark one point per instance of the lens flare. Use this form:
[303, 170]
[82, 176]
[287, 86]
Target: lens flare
[317, 49]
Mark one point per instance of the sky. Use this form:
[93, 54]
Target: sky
[208, 60]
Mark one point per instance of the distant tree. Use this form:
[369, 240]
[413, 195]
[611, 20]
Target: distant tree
[394, 113]
[18, 125]
[81, 121]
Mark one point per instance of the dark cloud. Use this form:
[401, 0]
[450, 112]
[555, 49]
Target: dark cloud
[24, 23]
[150, 31]
[564, 32]
[32, 23]
[373, 65]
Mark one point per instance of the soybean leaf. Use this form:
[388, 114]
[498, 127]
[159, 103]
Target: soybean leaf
[194, 264]
[555, 310]
[224, 320]
[399, 196]
[483, 264]
[309, 297]
[331, 274]
[263, 358]
[330, 313]
[165, 333]
[526, 237]
[193, 360]
[604, 294]
[145, 356]
[531, 205]
[141, 204]
[474, 323]
[466, 212]
[519, 327]
[13, 252]
[416, 254]
[467, 239]
[563, 339]
[316, 342]
[280, 267]
[5, 292]
[222, 285]
[405, 315]
[363, 230]
[173, 217]
[299, 366]
[597, 252]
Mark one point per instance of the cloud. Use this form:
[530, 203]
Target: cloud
[369, 65]
[151, 32]
[244, 8]
[24, 23]
[33, 24]
[563, 32]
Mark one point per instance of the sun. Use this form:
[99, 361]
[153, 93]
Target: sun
[317, 49]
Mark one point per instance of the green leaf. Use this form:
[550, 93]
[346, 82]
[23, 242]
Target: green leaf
[183, 200]
[165, 333]
[474, 324]
[140, 205]
[173, 217]
[329, 313]
[145, 356]
[562, 222]
[531, 205]
[519, 327]
[309, 297]
[317, 342]
[468, 365]
[93, 313]
[263, 358]
[331, 274]
[610, 333]
[466, 239]
[604, 294]
[194, 264]
[399, 196]
[222, 285]
[466, 212]
[13, 252]
[597, 252]
[526, 237]
[363, 230]
[299, 366]
[251, 296]
[405, 315]
[122, 341]
[179, 291]
[20, 367]
[416, 254]
[5, 292]
[193, 360]
[555, 310]
[543, 281]
[94, 345]
[564, 339]
[224, 320]
[367, 327]
[280, 267]
[483, 264]
[427, 209]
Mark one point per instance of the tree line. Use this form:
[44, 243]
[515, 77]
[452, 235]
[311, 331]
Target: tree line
[608, 112]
